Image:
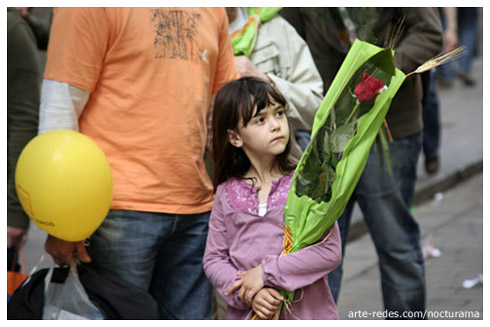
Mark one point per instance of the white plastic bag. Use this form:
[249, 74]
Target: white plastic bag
[68, 301]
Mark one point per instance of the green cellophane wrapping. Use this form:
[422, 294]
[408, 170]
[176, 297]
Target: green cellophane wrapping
[333, 162]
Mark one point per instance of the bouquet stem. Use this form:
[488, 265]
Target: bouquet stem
[353, 112]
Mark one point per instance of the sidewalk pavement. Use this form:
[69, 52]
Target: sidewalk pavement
[461, 158]
[452, 224]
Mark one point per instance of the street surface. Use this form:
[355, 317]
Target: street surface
[454, 224]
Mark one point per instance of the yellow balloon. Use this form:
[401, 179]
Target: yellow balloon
[64, 183]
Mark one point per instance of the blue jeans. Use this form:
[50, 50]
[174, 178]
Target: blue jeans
[468, 33]
[430, 116]
[302, 138]
[468, 36]
[446, 71]
[161, 253]
[385, 202]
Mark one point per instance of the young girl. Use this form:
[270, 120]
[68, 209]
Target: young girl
[252, 176]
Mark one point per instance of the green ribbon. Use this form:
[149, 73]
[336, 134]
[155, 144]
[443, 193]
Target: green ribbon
[243, 40]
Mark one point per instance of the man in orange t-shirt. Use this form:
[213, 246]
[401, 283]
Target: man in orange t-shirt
[139, 81]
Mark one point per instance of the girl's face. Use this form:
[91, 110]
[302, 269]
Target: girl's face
[266, 134]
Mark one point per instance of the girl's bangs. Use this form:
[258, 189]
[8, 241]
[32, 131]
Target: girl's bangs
[264, 94]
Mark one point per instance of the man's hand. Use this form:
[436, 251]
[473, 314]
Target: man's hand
[246, 68]
[450, 39]
[16, 237]
[249, 285]
[63, 251]
[25, 12]
[266, 303]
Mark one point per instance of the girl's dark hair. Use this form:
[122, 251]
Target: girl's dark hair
[235, 100]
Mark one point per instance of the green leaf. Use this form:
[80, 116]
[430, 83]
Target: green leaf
[341, 136]
[383, 60]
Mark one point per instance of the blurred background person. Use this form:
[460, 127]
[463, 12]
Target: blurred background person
[40, 25]
[430, 101]
[23, 94]
[465, 25]
[461, 27]
[468, 35]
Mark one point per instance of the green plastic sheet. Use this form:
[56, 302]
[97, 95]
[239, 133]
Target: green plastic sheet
[332, 164]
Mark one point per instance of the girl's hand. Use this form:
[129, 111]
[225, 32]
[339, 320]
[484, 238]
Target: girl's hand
[249, 285]
[266, 303]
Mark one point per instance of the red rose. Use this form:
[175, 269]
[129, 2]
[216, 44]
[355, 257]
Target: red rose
[368, 89]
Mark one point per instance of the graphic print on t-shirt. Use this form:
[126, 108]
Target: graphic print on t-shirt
[175, 34]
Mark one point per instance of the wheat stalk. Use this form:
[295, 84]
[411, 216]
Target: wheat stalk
[439, 60]
[394, 33]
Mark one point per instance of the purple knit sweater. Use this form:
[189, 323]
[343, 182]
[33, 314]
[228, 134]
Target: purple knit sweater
[239, 240]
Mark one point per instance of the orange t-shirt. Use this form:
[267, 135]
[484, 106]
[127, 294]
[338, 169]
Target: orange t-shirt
[151, 73]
